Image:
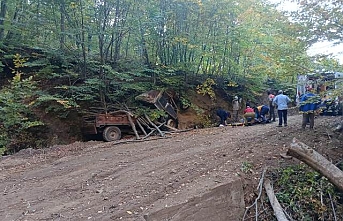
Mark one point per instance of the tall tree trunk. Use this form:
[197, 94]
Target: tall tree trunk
[83, 47]
[143, 45]
[62, 25]
[11, 35]
[116, 37]
[3, 10]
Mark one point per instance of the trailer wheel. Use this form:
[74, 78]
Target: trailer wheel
[172, 123]
[111, 133]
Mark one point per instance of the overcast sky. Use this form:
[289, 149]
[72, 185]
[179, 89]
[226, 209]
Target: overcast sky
[320, 47]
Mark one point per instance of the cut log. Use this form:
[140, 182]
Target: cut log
[141, 127]
[169, 127]
[319, 163]
[154, 125]
[133, 126]
[278, 211]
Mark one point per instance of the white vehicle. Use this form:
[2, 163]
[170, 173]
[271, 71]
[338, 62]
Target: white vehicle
[327, 85]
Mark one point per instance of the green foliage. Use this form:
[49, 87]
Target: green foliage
[81, 54]
[55, 104]
[1, 67]
[185, 102]
[19, 104]
[305, 194]
[2, 150]
[153, 113]
[323, 16]
[15, 109]
[48, 72]
[18, 62]
[246, 167]
[288, 88]
[198, 110]
[205, 121]
[206, 88]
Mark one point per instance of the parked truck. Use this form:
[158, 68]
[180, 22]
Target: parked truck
[328, 85]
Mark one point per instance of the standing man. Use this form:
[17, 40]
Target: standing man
[235, 108]
[282, 101]
[271, 97]
[309, 103]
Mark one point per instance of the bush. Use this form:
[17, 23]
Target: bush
[16, 116]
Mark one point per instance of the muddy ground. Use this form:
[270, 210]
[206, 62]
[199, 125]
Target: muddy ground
[124, 181]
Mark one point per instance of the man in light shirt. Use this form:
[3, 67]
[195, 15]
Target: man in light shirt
[281, 101]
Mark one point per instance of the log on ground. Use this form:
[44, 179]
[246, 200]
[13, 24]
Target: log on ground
[319, 163]
[278, 211]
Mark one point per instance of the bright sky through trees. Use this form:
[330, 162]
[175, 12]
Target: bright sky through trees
[325, 47]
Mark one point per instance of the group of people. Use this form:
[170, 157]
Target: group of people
[259, 114]
[309, 104]
[224, 115]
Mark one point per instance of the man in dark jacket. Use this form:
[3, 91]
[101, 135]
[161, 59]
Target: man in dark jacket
[223, 115]
[309, 103]
[261, 112]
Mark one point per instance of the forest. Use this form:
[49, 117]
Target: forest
[61, 57]
[62, 60]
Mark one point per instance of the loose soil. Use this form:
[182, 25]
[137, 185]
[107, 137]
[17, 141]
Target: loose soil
[124, 181]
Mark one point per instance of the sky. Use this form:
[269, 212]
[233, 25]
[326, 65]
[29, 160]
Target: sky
[324, 47]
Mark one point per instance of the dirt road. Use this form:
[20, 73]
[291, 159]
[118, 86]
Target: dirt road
[109, 181]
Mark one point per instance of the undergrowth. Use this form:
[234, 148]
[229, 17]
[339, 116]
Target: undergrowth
[303, 194]
[307, 195]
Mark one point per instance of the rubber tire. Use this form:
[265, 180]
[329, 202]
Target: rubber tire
[111, 133]
[184, 106]
[172, 123]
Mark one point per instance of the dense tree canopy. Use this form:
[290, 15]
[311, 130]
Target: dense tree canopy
[224, 37]
[108, 51]
[323, 20]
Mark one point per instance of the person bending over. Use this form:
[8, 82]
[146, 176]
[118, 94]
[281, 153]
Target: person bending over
[223, 115]
[249, 116]
[261, 112]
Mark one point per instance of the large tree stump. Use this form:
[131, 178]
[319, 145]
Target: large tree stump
[319, 163]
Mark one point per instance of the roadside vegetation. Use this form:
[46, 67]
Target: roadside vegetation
[64, 57]
[60, 58]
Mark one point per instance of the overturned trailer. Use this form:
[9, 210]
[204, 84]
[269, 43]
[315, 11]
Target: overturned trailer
[160, 100]
[111, 125]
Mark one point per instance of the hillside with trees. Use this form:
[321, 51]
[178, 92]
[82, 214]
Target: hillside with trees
[59, 58]
[62, 61]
